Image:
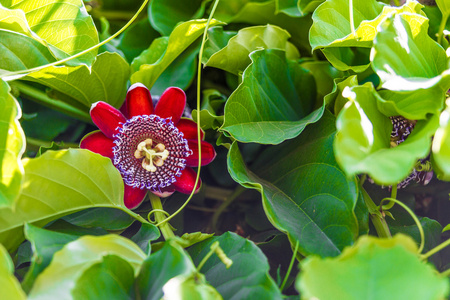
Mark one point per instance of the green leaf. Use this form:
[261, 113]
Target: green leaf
[381, 268]
[146, 234]
[249, 265]
[331, 30]
[105, 81]
[212, 103]
[446, 228]
[405, 57]
[12, 146]
[444, 6]
[273, 103]
[334, 100]
[362, 142]
[75, 28]
[65, 273]
[308, 6]
[114, 274]
[20, 52]
[162, 52]
[319, 213]
[217, 40]
[57, 184]
[324, 74]
[44, 243]
[164, 15]
[158, 268]
[103, 217]
[190, 286]
[257, 12]
[11, 289]
[441, 147]
[234, 58]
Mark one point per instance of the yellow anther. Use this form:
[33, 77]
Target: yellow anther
[153, 156]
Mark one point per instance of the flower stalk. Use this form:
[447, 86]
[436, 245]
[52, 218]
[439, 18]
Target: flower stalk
[165, 228]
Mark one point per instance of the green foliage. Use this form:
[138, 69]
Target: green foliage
[392, 264]
[10, 284]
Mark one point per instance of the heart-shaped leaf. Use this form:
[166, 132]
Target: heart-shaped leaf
[274, 101]
[304, 192]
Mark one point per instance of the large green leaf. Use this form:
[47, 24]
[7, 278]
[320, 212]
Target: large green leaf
[319, 212]
[68, 18]
[381, 268]
[64, 275]
[331, 30]
[234, 58]
[59, 183]
[12, 146]
[405, 57]
[257, 12]
[106, 80]
[247, 278]
[162, 52]
[11, 289]
[164, 15]
[362, 142]
[274, 101]
[19, 52]
[158, 268]
[190, 286]
[44, 244]
[441, 147]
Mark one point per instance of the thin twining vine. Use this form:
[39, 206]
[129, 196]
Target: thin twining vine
[199, 69]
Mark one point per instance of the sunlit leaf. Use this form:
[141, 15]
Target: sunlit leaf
[67, 270]
[162, 52]
[406, 58]
[234, 58]
[319, 212]
[249, 265]
[57, 184]
[19, 52]
[190, 286]
[105, 81]
[381, 268]
[11, 289]
[274, 101]
[444, 6]
[64, 25]
[12, 146]
[362, 142]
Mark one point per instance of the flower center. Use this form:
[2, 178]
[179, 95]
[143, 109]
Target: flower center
[153, 157]
[150, 152]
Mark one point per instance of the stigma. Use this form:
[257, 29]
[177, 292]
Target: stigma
[152, 156]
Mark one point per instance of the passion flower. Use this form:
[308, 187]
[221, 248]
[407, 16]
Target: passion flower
[153, 148]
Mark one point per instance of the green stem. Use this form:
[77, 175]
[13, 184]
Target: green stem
[42, 98]
[416, 220]
[134, 215]
[215, 248]
[442, 27]
[436, 249]
[352, 21]
[165, 228]
[291, 264]
[375, 216]
[215, 218]
[199, 72]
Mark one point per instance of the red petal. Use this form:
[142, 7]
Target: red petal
[189, 128]
[185, 183]
[139, 101]
[171, 104]
[133, 197]
[208, 153]
[107, 118]
[97, 142]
